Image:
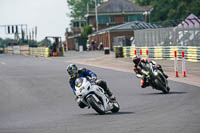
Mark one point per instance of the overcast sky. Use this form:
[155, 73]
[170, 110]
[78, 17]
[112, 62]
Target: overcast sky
[48, 15]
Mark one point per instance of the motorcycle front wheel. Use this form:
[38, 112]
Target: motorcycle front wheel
[116, 107]
[164, 89]
[98, 107]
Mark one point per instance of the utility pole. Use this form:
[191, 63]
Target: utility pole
[14, 29]
[97, 28]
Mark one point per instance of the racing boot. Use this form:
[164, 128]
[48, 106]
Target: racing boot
[165, 75]
[80, 104]
[106, 89]
[144, 83]
[163, 72]
[110, 94]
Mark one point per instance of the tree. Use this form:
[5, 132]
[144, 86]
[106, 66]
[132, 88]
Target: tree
[163, 10]
[45, 42]
[5, 42]
[142, 2]
[86, 31]
[171, 10]
[79, 8]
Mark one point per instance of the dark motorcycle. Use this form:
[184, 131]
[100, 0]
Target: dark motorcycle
[156, 78]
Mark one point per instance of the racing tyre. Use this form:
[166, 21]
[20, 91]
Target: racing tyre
[116, 107]
[161, 87]
[98, 107]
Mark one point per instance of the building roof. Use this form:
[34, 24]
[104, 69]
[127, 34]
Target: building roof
[135, 25]
[78, 20]
[191, 21]
[119, 6]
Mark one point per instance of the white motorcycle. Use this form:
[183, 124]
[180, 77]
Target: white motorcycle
[92, 95]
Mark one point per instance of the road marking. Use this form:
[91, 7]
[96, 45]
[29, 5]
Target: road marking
[3, 63]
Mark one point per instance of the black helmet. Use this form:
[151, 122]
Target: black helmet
[72, 70]
[136, 60]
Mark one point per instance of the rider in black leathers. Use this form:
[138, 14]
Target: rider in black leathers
[140, 64]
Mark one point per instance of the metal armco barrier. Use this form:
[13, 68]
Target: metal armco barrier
[133, 52]
[191, 53]
[158, 53]
[126, 51]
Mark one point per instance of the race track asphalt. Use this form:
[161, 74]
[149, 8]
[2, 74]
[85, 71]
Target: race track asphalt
[35, 97]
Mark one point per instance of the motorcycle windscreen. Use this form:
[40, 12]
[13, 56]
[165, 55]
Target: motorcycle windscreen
[79, 82]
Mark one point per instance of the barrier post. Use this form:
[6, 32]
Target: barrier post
[147, 53]
[141, 53]
[175, 63]
[135, 53]
[183, 64]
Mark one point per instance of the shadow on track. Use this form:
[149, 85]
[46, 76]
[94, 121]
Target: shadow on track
[109, 113]
[170, 93]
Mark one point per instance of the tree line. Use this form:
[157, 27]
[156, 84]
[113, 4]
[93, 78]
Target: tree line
[32, 43]
[163, 10]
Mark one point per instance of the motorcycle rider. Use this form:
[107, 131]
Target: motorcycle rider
[140, 65]
[75, 73]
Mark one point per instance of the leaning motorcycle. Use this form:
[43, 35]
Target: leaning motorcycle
[92, 95]
[156, 78]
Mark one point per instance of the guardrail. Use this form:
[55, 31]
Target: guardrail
[158, 52]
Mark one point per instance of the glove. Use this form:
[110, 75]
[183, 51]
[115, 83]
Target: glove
[77, 99]
[138, 75]
[156, 66]
[93, 79]
[135, 69]
[153, 62]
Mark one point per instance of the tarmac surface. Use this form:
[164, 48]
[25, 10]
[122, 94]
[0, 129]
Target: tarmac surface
[35, 97]
[126, 65]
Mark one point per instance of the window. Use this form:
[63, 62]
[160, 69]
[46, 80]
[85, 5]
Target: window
[82, 24]
[106, 19]
[89, 20]
[112, 19]
[136, 17]
[75, 24]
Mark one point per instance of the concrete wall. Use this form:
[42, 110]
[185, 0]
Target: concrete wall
[71, 44]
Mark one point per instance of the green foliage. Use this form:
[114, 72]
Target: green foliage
[79, 8]
[142, 2]
[86, 31]
[4, 42]
[166, 10]
[44, 43]
[163, 10]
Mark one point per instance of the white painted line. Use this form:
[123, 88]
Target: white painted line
[3, 63]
